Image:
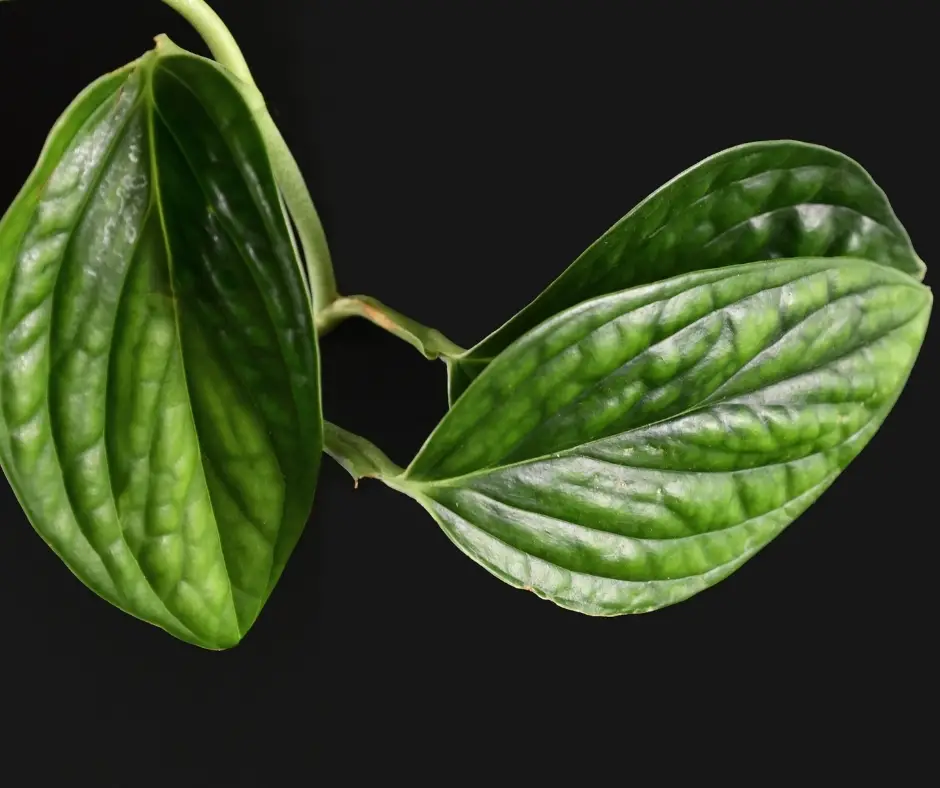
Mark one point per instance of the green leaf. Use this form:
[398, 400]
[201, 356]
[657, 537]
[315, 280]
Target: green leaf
[759, 201]
[639, 447]
[159, 378]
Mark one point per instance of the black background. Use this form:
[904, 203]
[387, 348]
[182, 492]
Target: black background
[461, 154]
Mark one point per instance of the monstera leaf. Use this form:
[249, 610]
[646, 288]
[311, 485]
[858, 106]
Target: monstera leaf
[159, 379]
[639, 447]
[753, 202]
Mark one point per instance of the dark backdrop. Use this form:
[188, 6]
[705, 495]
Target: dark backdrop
[461, 155]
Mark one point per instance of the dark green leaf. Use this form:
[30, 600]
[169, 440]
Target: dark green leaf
[639, 447]
[753, 202]
[159, 378]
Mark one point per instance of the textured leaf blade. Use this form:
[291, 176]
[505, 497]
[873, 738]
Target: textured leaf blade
[160, 379]
[639, 447]
[753, 202]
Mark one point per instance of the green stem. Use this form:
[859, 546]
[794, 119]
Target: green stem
[216, 35]
[303, 212]
[359, 457]
[329, 307]
[289, 178]
[429, 341]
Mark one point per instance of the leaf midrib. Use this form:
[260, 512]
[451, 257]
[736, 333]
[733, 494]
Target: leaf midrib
[228, 232]
[267, 311]
[455, 480]
[156, 196]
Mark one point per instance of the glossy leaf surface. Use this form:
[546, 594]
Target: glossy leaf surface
[159, 378]
[639, 447]
[753, 202]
